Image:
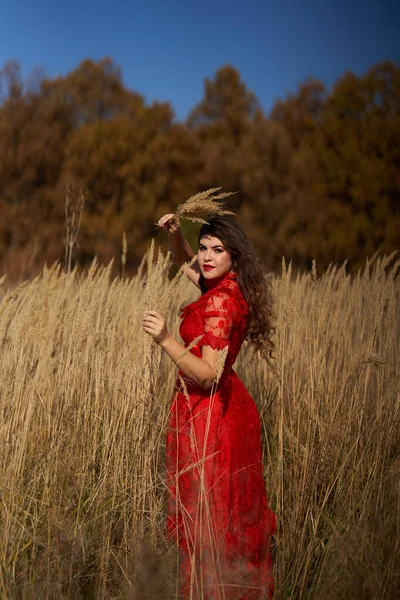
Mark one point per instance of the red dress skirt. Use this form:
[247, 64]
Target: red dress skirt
[217, 509]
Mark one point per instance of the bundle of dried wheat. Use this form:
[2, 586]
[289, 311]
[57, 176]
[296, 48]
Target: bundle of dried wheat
[207, 203]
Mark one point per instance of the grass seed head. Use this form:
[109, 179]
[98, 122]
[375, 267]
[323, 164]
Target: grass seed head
[208, 203]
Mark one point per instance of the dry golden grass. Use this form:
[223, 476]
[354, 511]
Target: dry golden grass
[84, 404]
[204, 204]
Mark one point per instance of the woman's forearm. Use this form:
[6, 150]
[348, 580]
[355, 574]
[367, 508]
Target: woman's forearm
[196, 369]
[180, 248]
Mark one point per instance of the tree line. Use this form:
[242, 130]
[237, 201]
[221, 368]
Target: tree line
[317, 177]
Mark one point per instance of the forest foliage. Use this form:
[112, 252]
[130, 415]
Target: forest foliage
[318, 177]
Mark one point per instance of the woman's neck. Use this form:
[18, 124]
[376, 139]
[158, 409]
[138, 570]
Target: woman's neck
[212, 283]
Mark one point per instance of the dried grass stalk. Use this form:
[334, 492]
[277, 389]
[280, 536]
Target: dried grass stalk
[84, 407]
[208, 203]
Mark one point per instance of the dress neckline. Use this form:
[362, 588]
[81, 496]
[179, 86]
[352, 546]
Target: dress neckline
[203, 298]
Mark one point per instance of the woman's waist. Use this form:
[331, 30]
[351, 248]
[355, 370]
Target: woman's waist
[190, 386]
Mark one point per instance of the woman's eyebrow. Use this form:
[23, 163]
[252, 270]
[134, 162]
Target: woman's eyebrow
[213, 247]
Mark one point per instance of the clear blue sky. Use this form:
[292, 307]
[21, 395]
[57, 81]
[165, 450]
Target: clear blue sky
[166, 48]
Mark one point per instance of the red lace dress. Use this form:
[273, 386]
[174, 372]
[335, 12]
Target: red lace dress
[217, 509]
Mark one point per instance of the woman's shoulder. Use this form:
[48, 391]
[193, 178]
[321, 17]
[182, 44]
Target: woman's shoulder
[227, 296]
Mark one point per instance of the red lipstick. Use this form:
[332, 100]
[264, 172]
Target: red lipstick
[207, 268]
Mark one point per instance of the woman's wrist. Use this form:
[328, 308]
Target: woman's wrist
[165, 340]
[175, 234]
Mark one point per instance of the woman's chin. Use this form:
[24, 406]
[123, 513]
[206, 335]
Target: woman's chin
[209, 274]
[214, 274]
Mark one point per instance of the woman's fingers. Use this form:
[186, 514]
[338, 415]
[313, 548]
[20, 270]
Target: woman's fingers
[174, 224]
[154, 316]
[150, 327]
[169, 222]
[154, 324]
[164, 220]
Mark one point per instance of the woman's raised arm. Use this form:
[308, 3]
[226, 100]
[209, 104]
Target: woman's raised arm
[180, 248]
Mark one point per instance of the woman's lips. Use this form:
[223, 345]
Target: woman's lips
[207, 268]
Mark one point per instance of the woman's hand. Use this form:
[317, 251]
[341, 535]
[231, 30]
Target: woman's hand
[154, 324]
[169, 223]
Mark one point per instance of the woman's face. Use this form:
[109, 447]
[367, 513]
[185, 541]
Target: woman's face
[214, 260]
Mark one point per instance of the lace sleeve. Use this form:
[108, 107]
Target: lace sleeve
[218, 318]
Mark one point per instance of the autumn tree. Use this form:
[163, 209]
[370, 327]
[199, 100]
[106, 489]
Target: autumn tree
[343, 197]
[221, 122]
[33, 129]
[358, 151]
[257, 156]
[134, 169]
[86, 128]
[317, 178]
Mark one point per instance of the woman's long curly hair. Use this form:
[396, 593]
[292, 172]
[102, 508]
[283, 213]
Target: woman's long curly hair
[251, 279]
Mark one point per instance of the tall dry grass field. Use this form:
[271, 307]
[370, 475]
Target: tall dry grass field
[84, 405]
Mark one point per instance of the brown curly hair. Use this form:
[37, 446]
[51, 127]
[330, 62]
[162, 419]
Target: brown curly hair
[251, 279]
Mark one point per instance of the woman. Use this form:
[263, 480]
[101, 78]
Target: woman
[218, 509]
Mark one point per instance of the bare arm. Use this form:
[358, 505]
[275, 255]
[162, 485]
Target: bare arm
[201, 371]
[180, 248]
